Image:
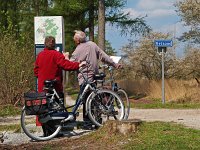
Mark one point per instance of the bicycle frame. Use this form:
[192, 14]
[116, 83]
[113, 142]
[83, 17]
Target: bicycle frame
[87, 86]
[80, 98]
[111, 79]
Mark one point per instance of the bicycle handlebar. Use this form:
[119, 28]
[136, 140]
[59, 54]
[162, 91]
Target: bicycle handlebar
[110, 68]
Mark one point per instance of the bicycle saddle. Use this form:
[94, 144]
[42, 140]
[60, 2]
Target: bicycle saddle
[49, 83]
[99, 76]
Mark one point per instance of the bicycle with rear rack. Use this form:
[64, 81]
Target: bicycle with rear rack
[101, 105]
[115, 87]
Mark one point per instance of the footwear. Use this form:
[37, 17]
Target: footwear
[59, 135]
[88, 125]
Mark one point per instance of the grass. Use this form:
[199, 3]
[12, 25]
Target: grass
[9, 110]
[150, 136]
[157, 103]
[73, 92]
[159, 135]
[12, 127]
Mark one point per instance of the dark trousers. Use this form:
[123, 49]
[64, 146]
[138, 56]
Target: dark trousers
[49, 127]
[85, 116]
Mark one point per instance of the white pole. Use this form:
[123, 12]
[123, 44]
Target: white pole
[163, 78]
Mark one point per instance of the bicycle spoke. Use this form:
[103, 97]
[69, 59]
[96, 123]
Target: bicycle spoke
[107, 104]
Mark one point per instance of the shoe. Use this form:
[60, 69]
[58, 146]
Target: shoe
[88, 125]
[59, 135]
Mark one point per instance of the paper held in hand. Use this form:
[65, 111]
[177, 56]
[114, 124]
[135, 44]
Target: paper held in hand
[116, 59]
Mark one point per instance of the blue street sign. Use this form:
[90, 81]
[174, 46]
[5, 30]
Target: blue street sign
[163, 43]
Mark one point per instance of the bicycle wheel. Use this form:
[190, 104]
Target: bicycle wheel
[103, 105]
[28, 124]
[124, 97]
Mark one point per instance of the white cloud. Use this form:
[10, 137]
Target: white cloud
[161, 13]
[150, 13]
[154, 4]
[176, 29]
[152, 8]
[134, 13]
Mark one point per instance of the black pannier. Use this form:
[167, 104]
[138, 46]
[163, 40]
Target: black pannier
[36, 103]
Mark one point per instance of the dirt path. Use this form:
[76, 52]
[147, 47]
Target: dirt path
[188, 117]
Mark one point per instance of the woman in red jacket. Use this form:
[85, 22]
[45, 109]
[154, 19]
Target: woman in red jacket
[49, 65]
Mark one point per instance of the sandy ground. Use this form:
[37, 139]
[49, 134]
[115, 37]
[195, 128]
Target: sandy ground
[188, 117]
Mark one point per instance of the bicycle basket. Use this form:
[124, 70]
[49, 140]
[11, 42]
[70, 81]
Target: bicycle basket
[36, 103]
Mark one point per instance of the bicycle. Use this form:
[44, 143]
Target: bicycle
[114, 87]
[55, 116]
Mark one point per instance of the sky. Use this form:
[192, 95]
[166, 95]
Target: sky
[161, 16]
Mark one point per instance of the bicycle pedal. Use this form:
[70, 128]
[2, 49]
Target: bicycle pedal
[114, 113]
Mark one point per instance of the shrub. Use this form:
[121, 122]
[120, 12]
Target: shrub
[16, 67]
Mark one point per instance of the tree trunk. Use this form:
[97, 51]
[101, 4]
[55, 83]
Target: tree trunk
[91, 20]
[123, 127]
[101, 25]
[36, 7]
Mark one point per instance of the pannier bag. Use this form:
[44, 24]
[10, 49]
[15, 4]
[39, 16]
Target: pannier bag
[36, 103]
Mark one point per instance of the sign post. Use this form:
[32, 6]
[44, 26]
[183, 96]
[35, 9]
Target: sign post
[162, 49]
[48, 26]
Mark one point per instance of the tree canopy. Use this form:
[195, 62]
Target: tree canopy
[189, 11]
[18, 15]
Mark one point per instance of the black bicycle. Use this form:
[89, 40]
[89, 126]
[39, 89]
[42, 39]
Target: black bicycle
[48, 108]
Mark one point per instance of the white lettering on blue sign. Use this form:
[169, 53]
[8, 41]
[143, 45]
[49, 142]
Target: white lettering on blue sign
[163, 43]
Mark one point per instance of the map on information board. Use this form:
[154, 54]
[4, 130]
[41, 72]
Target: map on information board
[48, 26]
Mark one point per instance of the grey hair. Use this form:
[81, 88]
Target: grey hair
[80, 35]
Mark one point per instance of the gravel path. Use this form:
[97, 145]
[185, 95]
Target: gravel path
[188, 117]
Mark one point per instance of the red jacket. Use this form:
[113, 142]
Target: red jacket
[49, 65]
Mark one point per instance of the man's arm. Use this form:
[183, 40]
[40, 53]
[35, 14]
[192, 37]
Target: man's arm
[105, 58]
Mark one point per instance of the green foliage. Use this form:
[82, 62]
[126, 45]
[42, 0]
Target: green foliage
[73, 92]
[149, 136]
[16, 67]
[143, 61]
[13, 127]
[123, 21]
[17, 17]
[17, 28]
[189, 11]
[156, 104]
[159, 136]
[9, 110]
[9, 17]
[76, 16]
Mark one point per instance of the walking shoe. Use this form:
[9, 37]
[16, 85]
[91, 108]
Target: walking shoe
[88, 125]
[59, 135]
